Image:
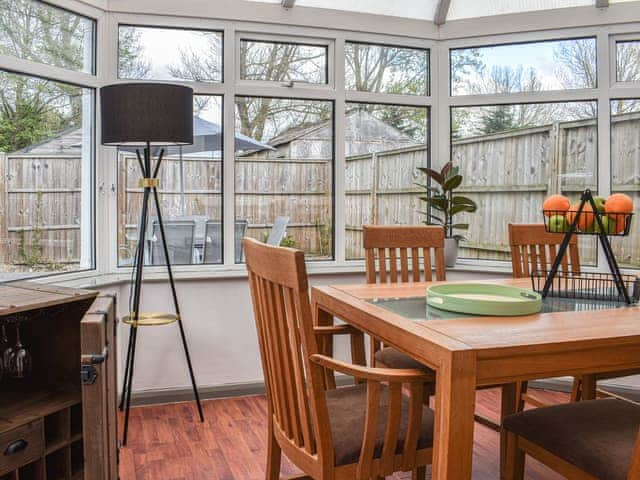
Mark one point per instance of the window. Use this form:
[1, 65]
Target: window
[283, 62]
[169, 54]
[190, 196]
[384, 145]
[512, 157]
[284, 168]
[628, 61]
[33, 30]
[625, 168]
[46, 166]
[386, 69]
[524, 67]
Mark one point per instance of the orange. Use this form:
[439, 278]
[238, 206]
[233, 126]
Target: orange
[586, 216]
[618, 203]
[555, 205]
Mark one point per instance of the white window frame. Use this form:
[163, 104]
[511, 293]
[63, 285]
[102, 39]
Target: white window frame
[254, 21]
[92, 203]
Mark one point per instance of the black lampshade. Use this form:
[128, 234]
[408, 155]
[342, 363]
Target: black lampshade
[137, 113]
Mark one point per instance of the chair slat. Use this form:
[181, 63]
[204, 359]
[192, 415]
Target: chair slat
[392, 429]
[364, 471]
[393, 265]
[382, 264]
[428, 269]
[416, 391]
[415, 263]
[404, 265]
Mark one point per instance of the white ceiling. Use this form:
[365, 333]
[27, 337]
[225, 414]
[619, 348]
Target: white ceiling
[426, 9]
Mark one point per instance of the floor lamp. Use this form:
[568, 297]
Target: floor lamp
[145, 116]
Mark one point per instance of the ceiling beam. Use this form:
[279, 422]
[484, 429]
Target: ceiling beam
[288, 3]
[441, 12]
[602, 3]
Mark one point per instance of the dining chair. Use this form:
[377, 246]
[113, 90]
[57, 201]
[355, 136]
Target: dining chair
[393, 254]
[361, 432]
[401, 253]
[533, 248]
[590, 440]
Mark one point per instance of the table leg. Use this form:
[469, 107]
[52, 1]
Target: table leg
[455, 402]
[509, 404]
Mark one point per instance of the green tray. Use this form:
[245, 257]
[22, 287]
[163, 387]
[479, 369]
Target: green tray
[484, 299]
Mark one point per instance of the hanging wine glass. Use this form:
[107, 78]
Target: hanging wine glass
[20, 357]
[5, 350]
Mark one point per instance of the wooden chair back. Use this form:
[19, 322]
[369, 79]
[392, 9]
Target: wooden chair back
[397, 251]
[279, 290]
[533, 248]
[294, 374]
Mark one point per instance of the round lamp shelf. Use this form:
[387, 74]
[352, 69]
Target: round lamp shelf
[150, 319]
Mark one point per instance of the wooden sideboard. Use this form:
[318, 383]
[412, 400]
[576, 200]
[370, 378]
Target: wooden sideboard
[60, 423]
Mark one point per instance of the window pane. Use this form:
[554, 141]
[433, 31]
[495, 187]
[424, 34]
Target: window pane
[283, 62]
[625, 172]
[33, 30]
[524, 67]
[380, 68]
[284, 168]
[169, 54]
[509, 156]
[190, 196]
[46, 159]
[628, 61]
[384, 145]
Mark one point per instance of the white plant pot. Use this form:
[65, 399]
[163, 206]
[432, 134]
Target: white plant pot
[450, 251]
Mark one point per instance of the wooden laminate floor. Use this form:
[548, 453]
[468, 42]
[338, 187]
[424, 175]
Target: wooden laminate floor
[166, 442]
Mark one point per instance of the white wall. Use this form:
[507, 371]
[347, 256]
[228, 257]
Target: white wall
[219, 322]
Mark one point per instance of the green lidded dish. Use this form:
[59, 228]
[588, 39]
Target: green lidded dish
[484, 299]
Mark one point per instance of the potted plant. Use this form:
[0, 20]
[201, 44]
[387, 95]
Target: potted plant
[442, 206]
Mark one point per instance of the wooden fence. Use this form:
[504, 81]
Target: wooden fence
[508, 174]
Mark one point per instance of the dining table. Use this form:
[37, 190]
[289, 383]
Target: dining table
[568, 336]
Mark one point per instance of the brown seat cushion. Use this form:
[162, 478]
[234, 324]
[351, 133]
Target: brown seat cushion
[596, 436]
[347, 410]
[391, 358]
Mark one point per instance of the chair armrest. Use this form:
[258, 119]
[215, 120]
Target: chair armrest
[336, 330]
[390, 375]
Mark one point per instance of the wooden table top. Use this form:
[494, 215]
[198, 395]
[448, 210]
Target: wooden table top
[487, 333]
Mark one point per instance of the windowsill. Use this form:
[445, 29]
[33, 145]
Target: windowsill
[95, 279]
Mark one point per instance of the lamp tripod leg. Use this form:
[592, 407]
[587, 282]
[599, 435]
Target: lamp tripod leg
[127, 364]
[137, 286]
[177, 307]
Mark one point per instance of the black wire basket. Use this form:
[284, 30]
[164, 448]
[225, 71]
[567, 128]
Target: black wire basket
[615, 224]
[587, 286]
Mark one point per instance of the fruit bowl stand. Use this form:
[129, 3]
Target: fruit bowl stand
[593, 221]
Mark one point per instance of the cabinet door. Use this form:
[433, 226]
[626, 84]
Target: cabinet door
[99, 392]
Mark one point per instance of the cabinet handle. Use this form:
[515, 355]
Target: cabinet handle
[16, 447]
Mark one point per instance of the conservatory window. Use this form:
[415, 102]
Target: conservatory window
[384, 145]
[283, 62]
[46, 166]
[33, 30]
[154, 53]
[386, 69]
[627, 65]
[625, 165]
[512, 157]
[284, 168]
[190, 196]
[524, 67]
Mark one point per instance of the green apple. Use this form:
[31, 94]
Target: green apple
[599, 201]
[558, 224]
[608, 223]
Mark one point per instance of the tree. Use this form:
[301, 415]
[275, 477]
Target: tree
[131, 60]
[33, 109]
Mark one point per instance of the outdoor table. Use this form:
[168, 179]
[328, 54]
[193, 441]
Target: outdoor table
[568, 337]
